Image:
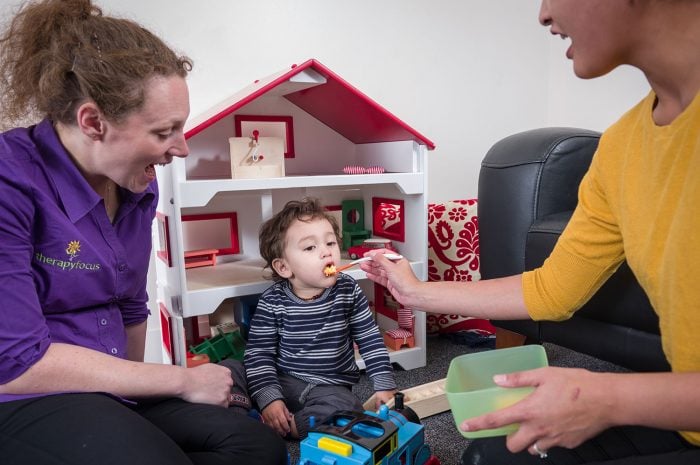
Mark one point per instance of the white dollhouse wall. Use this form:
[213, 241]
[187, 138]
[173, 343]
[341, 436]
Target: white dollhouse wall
[253, 209]
[318, 148]
[205, 234]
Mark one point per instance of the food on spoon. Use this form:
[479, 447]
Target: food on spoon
[329, 270]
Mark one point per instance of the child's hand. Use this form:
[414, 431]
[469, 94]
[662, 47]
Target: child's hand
[278, 417]
[383, 397]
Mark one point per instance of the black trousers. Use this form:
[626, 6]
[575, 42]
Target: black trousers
[91, 429]
[627, 445]
[306, 400]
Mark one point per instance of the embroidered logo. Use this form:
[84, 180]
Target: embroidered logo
[73, 249]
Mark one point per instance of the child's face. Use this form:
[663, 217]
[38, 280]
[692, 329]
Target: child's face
[309, 248]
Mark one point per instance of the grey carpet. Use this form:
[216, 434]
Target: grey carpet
[441, 433]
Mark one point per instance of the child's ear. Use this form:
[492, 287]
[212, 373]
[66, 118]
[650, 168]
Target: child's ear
[281, 267]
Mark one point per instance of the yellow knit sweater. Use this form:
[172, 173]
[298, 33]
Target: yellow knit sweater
[639, 201]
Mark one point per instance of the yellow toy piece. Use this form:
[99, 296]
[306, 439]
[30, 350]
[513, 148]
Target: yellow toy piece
[337, 447]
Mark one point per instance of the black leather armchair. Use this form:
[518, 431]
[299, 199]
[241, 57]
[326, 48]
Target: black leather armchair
[528, 189]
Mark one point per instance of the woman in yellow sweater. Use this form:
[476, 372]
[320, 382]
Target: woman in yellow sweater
[576, 416]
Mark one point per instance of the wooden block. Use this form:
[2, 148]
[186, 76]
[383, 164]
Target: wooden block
[426, 400]
[262, 160]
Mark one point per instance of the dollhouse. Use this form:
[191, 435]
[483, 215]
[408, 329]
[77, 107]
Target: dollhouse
[303, 131]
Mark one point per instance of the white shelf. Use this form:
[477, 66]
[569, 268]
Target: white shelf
[208, 286]
[407, 358]
[198, 193]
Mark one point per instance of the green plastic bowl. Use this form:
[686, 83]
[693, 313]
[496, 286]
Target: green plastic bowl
[471, 391]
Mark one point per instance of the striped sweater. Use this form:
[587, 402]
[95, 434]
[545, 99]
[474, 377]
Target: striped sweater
[313, 341]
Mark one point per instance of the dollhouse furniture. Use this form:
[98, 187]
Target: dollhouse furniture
[255, 156]
[353, 224]
[202, 257]
[402, 336]
[527, 192]
[453, 255]
[325, 124]
[373, 243]
[220, 347]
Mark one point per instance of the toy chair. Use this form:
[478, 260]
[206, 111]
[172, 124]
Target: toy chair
[353, 227]
[403, 335]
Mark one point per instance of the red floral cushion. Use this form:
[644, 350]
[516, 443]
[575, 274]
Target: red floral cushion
[453, 255]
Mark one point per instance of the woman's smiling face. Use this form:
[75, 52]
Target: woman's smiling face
[601, 32]
[150, 136]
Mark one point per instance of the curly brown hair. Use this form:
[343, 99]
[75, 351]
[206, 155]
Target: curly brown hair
[274, 231]
[57, 54]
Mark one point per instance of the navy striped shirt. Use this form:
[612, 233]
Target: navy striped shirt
[313, 340]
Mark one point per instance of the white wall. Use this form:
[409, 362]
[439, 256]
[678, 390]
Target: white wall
[593, 104]
[464, 73]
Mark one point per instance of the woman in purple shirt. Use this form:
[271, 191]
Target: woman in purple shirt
[77, 200]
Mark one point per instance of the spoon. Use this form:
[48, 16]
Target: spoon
[390, 256]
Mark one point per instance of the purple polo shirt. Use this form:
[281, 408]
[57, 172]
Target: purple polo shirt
[66, 273]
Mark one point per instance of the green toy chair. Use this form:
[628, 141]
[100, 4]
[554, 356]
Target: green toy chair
[353, 227]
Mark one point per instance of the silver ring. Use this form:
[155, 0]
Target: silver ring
[542, 453]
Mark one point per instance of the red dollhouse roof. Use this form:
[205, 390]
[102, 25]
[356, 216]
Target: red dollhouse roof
[331, 100]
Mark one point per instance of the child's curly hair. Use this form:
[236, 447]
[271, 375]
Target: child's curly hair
[274, 231]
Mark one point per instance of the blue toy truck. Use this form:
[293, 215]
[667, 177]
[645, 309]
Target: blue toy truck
[387, 437]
